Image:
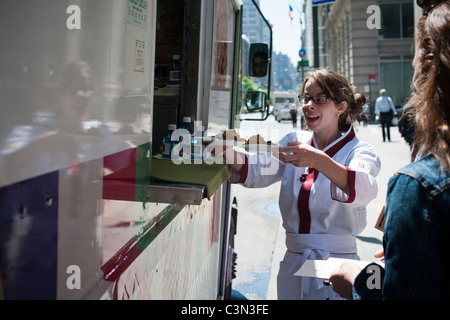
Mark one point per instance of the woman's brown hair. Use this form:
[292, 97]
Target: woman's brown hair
[431, 84]
[335, 85]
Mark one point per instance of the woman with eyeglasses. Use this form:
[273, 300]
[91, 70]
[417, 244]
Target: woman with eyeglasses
[328, 178]
[416, 240]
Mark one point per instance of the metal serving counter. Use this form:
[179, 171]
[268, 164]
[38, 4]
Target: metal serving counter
[187, 194]
[184, 183]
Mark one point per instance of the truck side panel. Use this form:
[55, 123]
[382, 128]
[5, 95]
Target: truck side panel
[76, 89]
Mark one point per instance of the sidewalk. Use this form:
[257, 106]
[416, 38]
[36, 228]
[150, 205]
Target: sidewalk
[278, 254]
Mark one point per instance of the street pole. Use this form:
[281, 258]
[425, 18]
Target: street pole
[303, 72]
[316, 36]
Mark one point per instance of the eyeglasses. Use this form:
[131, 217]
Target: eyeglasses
[320, 99]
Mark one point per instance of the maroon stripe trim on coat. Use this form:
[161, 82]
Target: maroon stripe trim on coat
[305, 190]
[351, 179]
[303, 200]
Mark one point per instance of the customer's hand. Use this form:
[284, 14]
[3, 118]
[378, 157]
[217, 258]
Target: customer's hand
[343, 279]
[380, 254]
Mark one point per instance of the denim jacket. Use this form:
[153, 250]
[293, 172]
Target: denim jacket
[416, 237]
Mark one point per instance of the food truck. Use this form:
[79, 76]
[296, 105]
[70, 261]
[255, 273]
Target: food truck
[88, 88]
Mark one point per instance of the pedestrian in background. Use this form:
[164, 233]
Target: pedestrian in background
[327, 179]
[293, 112]
[385, 110]
[417, 228]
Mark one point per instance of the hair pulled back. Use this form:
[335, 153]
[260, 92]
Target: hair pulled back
[335, 85]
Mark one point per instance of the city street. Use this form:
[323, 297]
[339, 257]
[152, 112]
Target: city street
[259, 242]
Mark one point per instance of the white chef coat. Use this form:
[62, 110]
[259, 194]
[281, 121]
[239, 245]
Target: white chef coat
[320, 220]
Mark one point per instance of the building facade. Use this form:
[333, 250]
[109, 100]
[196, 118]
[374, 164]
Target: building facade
[371, 43]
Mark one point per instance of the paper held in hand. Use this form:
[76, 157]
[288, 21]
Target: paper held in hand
[322, 268]
[379, 225]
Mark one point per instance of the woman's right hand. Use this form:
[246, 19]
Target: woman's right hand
[234, 159]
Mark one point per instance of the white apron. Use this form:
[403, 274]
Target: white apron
[299, 249]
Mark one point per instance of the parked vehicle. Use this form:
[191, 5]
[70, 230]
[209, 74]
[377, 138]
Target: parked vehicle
[281, 98]
[284, 113]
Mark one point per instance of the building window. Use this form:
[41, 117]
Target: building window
[397, 20]
[396, 73]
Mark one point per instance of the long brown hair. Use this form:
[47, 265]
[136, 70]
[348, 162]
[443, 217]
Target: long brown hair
[431, 85]
[335, 85]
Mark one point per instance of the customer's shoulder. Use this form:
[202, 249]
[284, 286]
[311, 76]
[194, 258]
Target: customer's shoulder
[427, 171]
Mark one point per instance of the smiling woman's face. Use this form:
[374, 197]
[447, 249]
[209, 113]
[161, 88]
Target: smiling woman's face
[320, 117]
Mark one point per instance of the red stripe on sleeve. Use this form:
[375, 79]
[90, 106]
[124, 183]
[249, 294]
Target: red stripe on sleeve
[351, 180]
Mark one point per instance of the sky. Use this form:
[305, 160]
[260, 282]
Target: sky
[286, 33]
